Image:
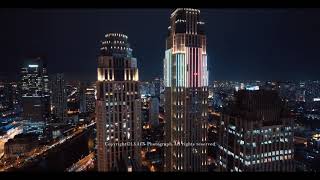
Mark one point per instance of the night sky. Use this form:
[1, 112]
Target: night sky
[243, 44]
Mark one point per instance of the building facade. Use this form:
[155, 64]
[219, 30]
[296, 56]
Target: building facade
[90, 99]
[186, 92]
[157, 87]
[59, 97]
[118, 108]
[154, 111]
[255, 134]
[87, 97]
[6, 96]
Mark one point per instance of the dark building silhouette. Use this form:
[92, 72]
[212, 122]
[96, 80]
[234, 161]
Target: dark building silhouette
[59, 97]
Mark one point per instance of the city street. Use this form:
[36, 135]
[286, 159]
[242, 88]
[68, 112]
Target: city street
[82, 164]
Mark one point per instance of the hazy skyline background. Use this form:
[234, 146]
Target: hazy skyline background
[242, 44]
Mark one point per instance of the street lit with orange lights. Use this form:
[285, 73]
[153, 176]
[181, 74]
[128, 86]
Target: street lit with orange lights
[83, 164]
[10, 135]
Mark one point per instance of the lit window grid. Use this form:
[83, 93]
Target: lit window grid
[286, 154]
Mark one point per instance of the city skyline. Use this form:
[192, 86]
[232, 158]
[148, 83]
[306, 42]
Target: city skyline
[178, 114]
[242, 44]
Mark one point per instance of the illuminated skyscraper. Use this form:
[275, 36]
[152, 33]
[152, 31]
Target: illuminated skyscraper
[35, 90]
[186, 91]
[90, 99]
[255, 134]
[6, 94]
[87, 97]
[118, 108]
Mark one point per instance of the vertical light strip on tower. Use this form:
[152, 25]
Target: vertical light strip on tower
[185, 73]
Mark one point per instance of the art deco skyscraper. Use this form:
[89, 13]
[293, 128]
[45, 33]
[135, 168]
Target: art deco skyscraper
[186, 91]
[117, 105]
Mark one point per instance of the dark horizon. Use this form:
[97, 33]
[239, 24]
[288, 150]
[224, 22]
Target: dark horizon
[257, 44]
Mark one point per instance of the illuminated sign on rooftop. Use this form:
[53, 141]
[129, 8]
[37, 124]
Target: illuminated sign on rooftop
[252, 88]
[33, 66]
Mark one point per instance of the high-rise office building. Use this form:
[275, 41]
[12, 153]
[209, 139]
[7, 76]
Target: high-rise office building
[16, 97]
[145, 109]
[87, 98]
[146, 89]
[82, 97]
[59, 97]
[90, 99]
[35, 90]
[35, 96]
[9, 93]
[186, 92]
[6, 95]
[118, 106]
[301, 92]
[154, 111]
[255, 134]
[157, 87]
